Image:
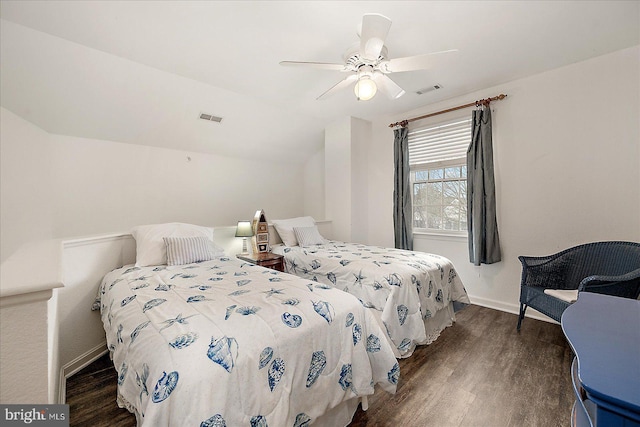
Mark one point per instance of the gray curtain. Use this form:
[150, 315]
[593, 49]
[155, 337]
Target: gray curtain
[484, 243]
[402, 212]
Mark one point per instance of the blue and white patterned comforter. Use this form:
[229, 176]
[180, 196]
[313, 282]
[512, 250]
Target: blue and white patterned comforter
[407, 287]
[225, 342]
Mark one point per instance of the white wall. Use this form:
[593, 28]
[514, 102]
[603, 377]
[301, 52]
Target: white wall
[337, 177]
[567, 156]
[23, 351]
[314, 193]
[360, 145]
[25, 177]
[60, 186]
[346, 187]
[113, 186]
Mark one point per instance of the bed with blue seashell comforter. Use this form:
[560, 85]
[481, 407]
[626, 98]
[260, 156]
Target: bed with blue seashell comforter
[228, 343]
[412, 293]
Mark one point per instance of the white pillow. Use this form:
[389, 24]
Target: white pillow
[185, 250]
[308, 236]
[150, 247]
[284, 227]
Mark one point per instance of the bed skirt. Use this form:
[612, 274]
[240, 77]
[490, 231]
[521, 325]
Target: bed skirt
[433, 327]
[341, 415]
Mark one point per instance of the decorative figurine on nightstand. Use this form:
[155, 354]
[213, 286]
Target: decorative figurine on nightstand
[260, 239]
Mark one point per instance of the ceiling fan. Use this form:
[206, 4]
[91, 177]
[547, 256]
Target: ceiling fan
[367, 62]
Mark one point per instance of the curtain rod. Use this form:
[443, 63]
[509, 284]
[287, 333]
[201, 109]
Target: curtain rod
[405, 122]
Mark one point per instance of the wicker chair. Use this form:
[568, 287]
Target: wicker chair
[611, 268]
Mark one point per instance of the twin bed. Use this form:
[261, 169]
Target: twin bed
[413, 294]
[204, 339]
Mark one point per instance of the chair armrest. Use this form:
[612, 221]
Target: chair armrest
[532, 261]
[626, 285]
[549, 272]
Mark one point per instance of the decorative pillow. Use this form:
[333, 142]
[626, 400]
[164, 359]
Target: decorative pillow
[150, 247]
[284, 227]
[185, 250]
[308, 236]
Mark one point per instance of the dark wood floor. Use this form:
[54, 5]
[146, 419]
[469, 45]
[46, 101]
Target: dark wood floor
[479, 373]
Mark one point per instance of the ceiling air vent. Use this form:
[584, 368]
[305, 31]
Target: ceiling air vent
[211, 118]
[429, 89]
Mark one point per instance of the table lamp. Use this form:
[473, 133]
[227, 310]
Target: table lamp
[244, 230]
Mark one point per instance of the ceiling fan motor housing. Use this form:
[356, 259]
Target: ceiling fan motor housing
[353, 61]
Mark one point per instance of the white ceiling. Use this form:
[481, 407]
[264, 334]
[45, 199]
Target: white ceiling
[142, 71]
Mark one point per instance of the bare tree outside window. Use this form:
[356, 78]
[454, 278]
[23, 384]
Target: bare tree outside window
[440, 198]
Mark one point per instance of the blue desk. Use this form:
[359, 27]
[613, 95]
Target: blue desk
[604, 333]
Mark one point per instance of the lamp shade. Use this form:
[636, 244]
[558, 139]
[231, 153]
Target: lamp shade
[244, 229]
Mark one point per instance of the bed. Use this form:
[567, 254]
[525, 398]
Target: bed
[220, 342]
[414, 295]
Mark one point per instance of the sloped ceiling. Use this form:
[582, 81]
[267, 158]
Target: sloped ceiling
[142, 71]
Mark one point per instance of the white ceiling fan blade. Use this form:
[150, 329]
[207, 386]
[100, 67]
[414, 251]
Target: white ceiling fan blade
[338, 86]
[319, 65]
[413, 63]
[375, 28]
[388, 86]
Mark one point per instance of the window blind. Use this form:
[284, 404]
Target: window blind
[435, 143]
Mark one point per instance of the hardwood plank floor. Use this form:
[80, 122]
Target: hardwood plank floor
[479, 373]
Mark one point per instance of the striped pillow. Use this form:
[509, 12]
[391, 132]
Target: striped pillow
[185, 250]
[308, 236]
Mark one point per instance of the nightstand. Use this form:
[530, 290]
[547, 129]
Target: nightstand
[265, 259]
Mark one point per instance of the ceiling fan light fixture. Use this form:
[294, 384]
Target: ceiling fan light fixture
[365, 88]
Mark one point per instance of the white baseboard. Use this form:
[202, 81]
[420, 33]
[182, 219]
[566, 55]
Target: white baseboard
[509, 308]
[76, 365]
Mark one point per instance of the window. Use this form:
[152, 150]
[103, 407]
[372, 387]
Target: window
[437, 159]
[440, 198]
